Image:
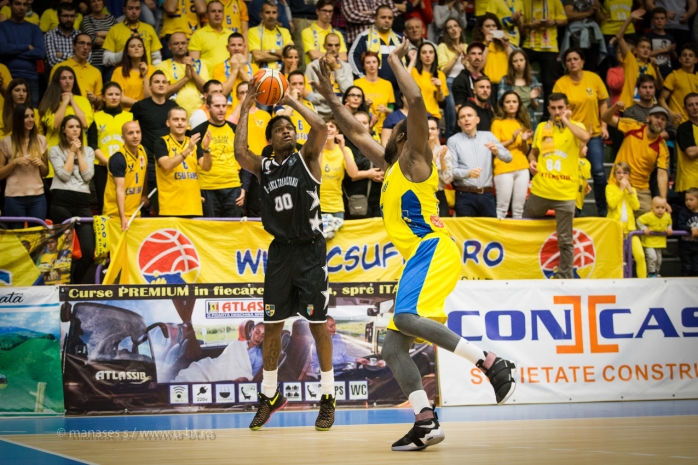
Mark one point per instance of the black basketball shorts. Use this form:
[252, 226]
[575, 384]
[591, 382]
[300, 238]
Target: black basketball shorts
[296, 281]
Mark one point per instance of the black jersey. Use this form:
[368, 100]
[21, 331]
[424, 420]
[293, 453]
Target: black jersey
[290, 199]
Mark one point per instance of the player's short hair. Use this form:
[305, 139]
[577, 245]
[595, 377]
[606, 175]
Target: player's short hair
[622, 165]
[75, 39]
[643, 39]
[556, 97]
[644, 78]
[268, 3]
[210, 97]
[691, 95]
[272, 122]
[173, 109]
[689, 46]
[323, 3]
[236, 35]
[156, 73]
[380, 7]
[210, 83]
[212, 2]
[365, 113]
[65, 6]
[480, 79]
[576, 50]
[657, 11]
[369, 54]
[240, 84]
[109, 85]
[693, 191]
[296, 72]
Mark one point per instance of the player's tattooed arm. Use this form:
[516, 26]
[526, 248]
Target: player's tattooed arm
[350, 126]
[243, 155]
[417, 126]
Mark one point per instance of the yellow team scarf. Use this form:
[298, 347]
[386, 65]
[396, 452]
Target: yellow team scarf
[374, 41]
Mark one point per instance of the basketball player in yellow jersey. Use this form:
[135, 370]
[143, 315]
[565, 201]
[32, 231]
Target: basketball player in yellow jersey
[126, 185]
[410, 213]
[179, 193]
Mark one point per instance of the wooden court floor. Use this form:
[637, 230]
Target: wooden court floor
[636, 440]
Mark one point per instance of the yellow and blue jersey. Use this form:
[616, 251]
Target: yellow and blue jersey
[410, 209]
[411, 217]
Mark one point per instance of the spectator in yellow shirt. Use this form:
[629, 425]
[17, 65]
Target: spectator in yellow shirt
[513, 129]
[588, 97]
[134, 73]
[680, 83]
[488, 30]
[119, 35]
[235, 69]
[185, 76]
[656, 220]
[296, 85]
[267, 40]
[314, 36]
[378, 92]
[432, 82]
[49, 18]
[636, 61]
[209, 42]
[89, 78]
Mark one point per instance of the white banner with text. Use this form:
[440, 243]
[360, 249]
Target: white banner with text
[576, 341]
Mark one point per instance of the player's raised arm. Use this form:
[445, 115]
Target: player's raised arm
[313, 147]
[243, 155]
[417, 125]
[350, 126]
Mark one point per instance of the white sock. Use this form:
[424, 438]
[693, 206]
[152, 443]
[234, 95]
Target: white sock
[419, 401]
[269, 382]
[327, 382]
[469, 351]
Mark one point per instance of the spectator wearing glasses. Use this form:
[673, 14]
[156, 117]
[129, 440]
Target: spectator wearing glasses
[89, 78]
[314, 36]
[59, 41]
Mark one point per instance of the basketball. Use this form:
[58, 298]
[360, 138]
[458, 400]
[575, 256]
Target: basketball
[168, 256]
[272, 85]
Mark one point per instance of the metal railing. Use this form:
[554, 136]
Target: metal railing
[628, 248]
[23, 219]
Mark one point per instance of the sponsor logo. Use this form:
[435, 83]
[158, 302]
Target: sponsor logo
[167, 256]
[311, 310]
[568, 321]
[12, 297]
[269, 310]
[234, 308]
[584, 255]
[122, 376]
[436, 221]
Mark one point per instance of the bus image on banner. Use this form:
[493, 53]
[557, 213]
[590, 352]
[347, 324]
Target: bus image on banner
[149, 349]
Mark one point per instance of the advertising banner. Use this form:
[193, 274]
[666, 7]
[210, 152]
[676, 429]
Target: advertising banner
[616, 340]
[184, 348]
[181, 251]
[36, 256]
[30, 366]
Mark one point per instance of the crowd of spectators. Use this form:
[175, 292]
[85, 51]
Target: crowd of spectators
[104, 100]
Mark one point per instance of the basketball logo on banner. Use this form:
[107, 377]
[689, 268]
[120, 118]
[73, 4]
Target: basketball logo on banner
[168, 257]
[584, 255]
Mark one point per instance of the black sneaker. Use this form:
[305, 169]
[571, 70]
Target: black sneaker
[500, 372]
[325, 419]
[267, 406]
[425, 432]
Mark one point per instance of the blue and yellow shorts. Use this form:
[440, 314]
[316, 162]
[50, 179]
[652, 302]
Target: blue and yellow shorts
[430, 275]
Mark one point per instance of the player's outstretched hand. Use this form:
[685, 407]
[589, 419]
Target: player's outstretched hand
[401, 50]
[250, 99]
[323, 85]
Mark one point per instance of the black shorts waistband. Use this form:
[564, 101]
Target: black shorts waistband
[279, 240]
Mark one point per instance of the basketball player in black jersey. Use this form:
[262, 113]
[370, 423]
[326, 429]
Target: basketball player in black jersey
[296, 276]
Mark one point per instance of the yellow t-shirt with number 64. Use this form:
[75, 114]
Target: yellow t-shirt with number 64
[558, 162]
